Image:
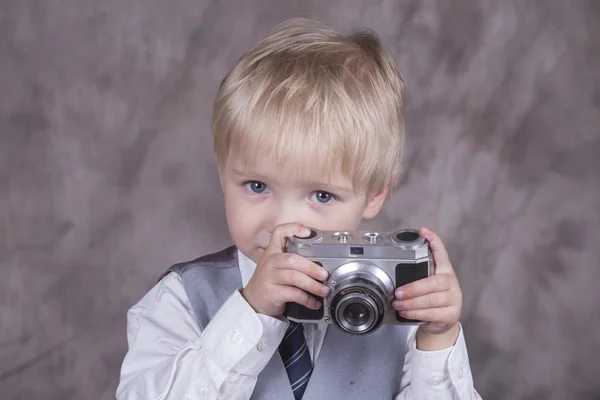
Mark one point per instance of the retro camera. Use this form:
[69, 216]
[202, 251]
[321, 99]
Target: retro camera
[365, 268]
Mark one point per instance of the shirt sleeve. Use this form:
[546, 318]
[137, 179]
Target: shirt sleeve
[442, 374]
[170, 357]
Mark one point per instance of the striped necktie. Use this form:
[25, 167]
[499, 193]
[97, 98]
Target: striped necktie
[296, 358]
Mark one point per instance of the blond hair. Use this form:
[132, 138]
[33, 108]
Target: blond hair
[308, 96]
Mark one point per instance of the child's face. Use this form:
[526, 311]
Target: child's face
[262, 196]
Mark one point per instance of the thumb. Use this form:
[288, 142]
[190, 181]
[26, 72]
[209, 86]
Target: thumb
[440, 254]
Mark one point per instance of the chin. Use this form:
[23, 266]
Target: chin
[253, 253]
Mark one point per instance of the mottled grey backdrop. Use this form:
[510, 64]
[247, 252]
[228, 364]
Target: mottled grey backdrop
[106, 174]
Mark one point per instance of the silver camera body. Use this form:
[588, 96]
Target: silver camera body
[365, 268]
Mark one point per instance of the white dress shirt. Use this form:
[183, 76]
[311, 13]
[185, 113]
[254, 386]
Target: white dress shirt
[170, 357]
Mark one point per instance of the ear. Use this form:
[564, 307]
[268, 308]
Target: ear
[220, 175]
[375, 203]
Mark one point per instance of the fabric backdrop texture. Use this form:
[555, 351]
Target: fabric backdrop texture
[107, 176]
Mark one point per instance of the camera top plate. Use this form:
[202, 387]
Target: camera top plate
[405, 244]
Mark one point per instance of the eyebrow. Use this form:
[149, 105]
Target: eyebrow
[247, 174]
[309, 184]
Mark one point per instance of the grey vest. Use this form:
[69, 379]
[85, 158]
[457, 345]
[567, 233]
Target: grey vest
[347, 367]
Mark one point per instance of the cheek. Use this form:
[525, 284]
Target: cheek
[348, 222]
[240, 228]
[242, 215]
[355, 213]
[234, 210]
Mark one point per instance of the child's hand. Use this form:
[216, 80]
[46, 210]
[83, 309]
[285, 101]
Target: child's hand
[437, 300]
[281, 277]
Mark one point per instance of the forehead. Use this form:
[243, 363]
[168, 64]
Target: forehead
[297, 171]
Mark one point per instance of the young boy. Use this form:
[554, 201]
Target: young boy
[308, 131]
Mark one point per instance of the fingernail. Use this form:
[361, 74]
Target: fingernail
[396, 304]
[324, 290]
[323, 274]
[318, 305]
[399, 293]
[425, 230]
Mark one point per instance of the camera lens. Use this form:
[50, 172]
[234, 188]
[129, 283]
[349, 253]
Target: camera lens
[357, 311]
[359, 301]
[356, 314]
[407, 236]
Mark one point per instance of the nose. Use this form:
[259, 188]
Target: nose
[282, 214]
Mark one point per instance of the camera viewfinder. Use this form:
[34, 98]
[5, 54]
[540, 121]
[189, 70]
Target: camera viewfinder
[356, 251]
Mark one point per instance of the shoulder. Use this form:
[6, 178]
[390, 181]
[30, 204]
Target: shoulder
[170, 286]
[226, 258]
[165, 308]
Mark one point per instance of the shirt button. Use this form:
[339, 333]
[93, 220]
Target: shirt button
[204, 393]
[263, 344]
[237, 337]
[435, 380]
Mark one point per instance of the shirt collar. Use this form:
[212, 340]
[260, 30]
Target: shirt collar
[247, 267]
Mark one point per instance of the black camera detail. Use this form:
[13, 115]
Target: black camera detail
[407, 273]
[407, 236]
[299, 311]
[356, 251]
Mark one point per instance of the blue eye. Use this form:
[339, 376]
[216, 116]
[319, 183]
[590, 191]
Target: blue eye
[256, 186]
[323, 197]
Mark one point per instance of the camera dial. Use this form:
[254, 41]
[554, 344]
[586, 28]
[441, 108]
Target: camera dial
[407, 238]
[315, 236]
[342, 237]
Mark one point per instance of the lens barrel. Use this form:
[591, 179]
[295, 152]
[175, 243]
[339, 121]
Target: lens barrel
[358, 302]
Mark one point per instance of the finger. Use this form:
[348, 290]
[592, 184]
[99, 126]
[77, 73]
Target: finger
[438, 315]
[440, 254]
[299, 296]
[299, 263]
[432, 300]
[284, 231]
[294, 278]
[421, 287]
